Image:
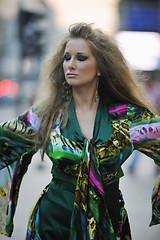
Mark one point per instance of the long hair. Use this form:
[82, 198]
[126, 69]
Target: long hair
[116, 83]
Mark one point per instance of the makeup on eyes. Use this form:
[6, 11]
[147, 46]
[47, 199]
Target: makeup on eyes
[80, 57]
[67, 56]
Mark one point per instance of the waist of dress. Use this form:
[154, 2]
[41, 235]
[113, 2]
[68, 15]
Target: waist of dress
[69, 183]
[57, 174]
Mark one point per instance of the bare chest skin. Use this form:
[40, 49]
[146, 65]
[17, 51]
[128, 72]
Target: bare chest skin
[86, 122]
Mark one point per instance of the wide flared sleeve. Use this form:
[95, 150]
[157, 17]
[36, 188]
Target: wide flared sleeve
[17, 147]
[144, 129]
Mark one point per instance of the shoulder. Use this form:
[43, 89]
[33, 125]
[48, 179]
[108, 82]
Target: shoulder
[26, 122]
[138, 114]
[130, 109]
[133, 112]
[30, 118]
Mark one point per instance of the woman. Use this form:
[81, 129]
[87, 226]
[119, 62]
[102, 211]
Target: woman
[92, 118]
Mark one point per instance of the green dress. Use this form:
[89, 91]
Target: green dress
[83, 200]
[57, 206]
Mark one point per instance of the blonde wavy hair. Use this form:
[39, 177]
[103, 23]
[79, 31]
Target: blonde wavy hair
[117, 83]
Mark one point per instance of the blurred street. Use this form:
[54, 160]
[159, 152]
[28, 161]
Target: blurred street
[136, 188]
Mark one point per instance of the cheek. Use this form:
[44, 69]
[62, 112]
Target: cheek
[90, 69]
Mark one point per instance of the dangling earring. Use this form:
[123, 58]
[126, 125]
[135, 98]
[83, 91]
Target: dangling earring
[96, 93]
[96, 96]
[66, 92]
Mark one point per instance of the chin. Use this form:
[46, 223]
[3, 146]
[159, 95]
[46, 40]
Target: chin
[72, 82]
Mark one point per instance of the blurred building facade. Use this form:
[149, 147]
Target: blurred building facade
[27, 30]
[139, 20]
[139, 37]
[139, 15]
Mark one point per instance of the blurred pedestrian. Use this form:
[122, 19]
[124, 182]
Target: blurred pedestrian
[92, 118]
[152, 89]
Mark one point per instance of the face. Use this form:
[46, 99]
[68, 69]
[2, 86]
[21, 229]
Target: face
[79, 63]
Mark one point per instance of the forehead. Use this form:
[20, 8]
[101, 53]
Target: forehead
[78, 45]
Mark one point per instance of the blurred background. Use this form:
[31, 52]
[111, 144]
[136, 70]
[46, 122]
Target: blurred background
[28, 28]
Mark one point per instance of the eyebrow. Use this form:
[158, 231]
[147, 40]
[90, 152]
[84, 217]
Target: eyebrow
[82, 53]
[79, 53]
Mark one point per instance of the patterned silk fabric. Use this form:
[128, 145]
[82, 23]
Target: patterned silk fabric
[93, 218]
[87, 165]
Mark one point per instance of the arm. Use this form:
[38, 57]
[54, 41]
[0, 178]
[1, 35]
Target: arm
[144, 130]
[17, 147]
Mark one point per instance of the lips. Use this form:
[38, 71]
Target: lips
[71, 75]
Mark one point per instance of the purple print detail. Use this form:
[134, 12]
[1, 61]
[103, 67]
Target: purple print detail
[94, 182]
[118, 110]
[144, 132]
[33, 119]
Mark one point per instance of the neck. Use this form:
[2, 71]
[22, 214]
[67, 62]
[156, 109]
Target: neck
[84, 99]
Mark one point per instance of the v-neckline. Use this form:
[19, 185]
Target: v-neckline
[77, 123]
[103, 128]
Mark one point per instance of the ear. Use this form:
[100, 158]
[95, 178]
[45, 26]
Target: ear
[98, 74]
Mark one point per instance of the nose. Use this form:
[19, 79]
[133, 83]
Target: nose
[71, 64]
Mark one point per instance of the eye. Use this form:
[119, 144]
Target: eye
[67, 57]
[82, 58]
